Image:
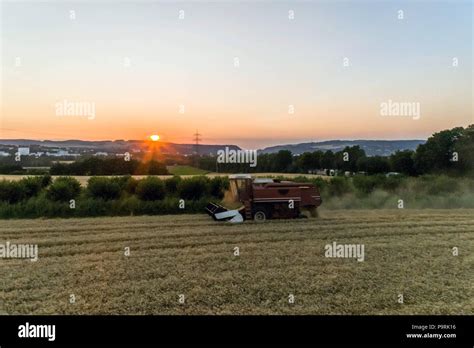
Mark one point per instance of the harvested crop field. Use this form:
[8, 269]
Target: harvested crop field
[406, 252]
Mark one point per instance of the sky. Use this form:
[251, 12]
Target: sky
[322, 74]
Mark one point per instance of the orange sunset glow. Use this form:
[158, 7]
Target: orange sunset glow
[114, 80]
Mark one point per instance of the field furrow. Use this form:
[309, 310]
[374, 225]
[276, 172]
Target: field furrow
[406, 252]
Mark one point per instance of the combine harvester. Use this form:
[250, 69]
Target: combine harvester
[264, 199]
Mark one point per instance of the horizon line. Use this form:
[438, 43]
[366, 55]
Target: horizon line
[190, 143]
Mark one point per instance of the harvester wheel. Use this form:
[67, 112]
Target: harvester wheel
[309, 213]
[260, 216]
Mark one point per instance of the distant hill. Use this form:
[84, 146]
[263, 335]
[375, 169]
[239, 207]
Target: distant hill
[371, 147]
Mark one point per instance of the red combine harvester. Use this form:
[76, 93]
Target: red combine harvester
[266, 199]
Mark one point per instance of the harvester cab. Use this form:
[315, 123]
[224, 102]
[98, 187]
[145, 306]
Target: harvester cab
[260, 199]
[240, 187]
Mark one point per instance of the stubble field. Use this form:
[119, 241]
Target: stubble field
[407, 252]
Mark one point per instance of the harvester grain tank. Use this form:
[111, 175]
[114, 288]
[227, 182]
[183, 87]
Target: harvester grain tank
[263, 199]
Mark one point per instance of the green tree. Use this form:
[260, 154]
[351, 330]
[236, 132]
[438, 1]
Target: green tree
[328, 160]
[283, 160]
[156, 168]
[32, 185]
[150, 189]
[194, 188]
[373, 165]
[63, 189]
[307, 161]
[347, 158]
[465, 150]
[402, 162]
[104, 188]
[437, 153]
[11, 191]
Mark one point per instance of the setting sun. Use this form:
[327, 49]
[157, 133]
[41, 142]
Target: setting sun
[154, 137]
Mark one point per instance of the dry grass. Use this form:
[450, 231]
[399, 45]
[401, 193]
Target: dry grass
[406, 252]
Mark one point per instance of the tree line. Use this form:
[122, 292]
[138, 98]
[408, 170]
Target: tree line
[449, 151]
[40, 196]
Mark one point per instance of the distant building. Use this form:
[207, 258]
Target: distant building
[35, 148]
[4, 154]
[58, 153]
[101, 154]
[23, 151]
[61, 153]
